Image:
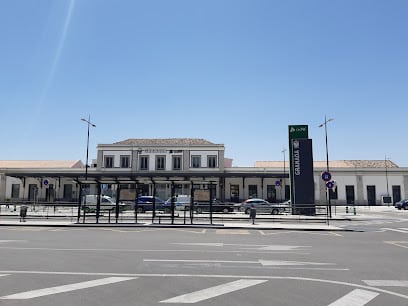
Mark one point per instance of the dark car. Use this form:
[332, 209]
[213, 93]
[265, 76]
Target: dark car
[403, 204]
[145, 203]
[217, 206]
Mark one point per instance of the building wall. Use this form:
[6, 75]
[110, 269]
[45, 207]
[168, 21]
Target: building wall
[151, 153]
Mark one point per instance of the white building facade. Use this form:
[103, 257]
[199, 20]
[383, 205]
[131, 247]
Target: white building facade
[180, 165]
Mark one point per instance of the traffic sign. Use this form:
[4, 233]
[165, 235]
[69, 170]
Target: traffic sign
[277, 183]
[45, 182]
[330, 184]
[326, 176]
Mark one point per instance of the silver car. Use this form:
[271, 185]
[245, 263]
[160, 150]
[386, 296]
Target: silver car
[261, 205]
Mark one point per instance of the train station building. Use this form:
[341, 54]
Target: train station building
[179, 165]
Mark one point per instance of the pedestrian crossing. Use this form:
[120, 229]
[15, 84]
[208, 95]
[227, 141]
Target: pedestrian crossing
[359, 296]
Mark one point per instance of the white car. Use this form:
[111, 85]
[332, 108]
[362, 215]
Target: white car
[181, 202]
[262, 206]
[89, 203]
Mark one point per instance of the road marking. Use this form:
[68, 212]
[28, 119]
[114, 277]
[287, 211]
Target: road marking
[229, 276]
[232, 232]
[247, 251]
[274, 232]
[197, 231]
[129, 230]
[263, 247]
[65, 288]
[402, 244]
[4, 241]
[386, 283]
[396, 230]
[356, 297]
[299, 232]
[209, 293]
[260, 261]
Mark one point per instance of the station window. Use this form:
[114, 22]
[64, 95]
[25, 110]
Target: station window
[160, 162]
[176, 162]
[252, 191]
[144, 162]
[195, 161]
[108, 162]
[15, 191]
[212, 161]
[124, 161]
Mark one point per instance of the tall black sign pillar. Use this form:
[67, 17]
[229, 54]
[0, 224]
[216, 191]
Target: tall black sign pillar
[301, 171]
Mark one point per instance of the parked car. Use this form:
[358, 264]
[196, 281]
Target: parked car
[90, 202]
[403, 204]
[217, 206]
[145, 203]
[181, 202]
[262, 206]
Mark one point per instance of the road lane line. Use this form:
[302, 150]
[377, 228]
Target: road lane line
[398, 243]
[386, 283]
[259, 261]
[65, 288]
[248, 251]
[395, 230]
[208, 293]
[357, 297]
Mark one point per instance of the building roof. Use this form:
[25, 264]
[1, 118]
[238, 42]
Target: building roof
[333, 164]
[164, 142]
[41, 164]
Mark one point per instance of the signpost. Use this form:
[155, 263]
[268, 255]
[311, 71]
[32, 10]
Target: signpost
[326, 176]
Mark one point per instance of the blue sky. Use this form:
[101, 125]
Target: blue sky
[233, 72]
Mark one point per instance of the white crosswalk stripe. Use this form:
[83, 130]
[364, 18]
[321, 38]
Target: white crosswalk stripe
[357, 297]
[65, 288]
[208, 293]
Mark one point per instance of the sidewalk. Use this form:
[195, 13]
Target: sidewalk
[282, 222]
[226, 225]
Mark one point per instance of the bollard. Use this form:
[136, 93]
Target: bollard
[346, 209]
[354, 210]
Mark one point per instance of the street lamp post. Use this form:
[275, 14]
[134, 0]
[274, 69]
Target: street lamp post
[89, 123]
[327, 161]
[386, 178]
[284, 174]
[87, 144]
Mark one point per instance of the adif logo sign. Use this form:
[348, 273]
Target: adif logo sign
[297, 129]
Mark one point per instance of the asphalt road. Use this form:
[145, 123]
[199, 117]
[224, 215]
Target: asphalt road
[146, 266]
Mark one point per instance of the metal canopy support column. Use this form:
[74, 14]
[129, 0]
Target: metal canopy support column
[136, 200]
[211, 202]
[98, 203]
[172, 202]
[154, 201]
[79, 203]
[191, 202]
[117, 203]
